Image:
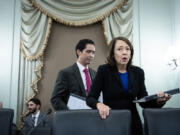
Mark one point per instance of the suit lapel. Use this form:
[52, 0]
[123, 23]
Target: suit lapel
[116, 75]
[30, 120]
[78, 76]
[39, 118]
[130, 79]
[92, 75]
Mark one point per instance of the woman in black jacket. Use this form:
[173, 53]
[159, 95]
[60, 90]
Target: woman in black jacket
[121, 83]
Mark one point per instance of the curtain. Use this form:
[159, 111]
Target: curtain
[37, 17]
[119, 23]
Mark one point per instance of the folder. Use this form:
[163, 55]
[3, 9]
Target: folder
[77, 102]
[153, 97]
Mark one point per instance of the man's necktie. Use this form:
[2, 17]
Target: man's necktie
[88, 79]
[33, 121]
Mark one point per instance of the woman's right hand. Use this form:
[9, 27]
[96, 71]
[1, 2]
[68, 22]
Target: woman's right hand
[103, 110]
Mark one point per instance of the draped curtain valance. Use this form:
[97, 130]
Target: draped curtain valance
[78, 13]
[37, 14]
[37, 17]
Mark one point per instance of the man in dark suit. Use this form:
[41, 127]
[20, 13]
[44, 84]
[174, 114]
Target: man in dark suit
[74, 79]
[36, 118]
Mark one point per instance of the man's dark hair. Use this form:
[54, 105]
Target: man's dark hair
[36, 101]
[81, 45]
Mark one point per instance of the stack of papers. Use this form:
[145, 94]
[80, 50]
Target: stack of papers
[77, 102]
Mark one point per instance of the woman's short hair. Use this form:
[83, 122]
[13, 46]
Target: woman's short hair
[110, 59]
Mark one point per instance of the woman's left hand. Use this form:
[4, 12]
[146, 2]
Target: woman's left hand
[163, 97]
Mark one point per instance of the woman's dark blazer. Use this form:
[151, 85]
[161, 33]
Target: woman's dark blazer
[108, 81]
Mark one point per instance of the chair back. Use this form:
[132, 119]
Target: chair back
[165, 121]
[88, 122]
[6, 119]
[37, 131]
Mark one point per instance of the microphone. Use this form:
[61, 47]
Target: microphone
[49, 111]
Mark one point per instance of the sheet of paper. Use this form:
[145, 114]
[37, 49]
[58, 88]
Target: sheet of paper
[77, 102]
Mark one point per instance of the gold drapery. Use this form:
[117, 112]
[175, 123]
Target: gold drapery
[79, 23]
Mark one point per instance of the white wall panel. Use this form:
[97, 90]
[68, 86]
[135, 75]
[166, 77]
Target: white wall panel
[9, 52]
[157, 23]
